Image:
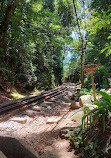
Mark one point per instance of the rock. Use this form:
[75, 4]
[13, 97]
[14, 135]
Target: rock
[36, 108]
[2, 155]
[85, 99]
[74, 105]
[49, 108]
[66, 99]
[3, 128]
[52, 120]
[44, 105]
[30, 113]
[19, 120]
[78, 86]
[48, 103]
[108, 91]
[90, 106]
[66, 132]
[77, 116]
[73, 97]
[70, 94]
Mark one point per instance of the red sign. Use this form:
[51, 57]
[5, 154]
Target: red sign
[91, 67]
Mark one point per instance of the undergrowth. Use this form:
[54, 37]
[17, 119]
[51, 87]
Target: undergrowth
[85, 91]
[86, 138]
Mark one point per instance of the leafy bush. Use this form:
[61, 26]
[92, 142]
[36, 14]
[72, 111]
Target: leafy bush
[104, 107]
[85, 91]
[91, 118]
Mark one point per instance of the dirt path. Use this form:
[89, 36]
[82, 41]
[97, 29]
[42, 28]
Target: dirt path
[45, 138]
[42, 132]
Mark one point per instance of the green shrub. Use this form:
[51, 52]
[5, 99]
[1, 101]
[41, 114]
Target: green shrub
[90, 119]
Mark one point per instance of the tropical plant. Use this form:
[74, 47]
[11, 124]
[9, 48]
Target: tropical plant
[83, 140]
[100, 113]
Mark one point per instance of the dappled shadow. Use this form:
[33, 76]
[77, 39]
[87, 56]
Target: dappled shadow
[56, 109]
[48, 144]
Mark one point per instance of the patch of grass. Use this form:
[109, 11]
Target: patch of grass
[15, 95]
[36, 91]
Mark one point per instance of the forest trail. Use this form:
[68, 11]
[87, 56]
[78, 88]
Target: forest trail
[42, 133]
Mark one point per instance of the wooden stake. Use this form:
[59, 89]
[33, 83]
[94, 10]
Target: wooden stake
[93, 86]
[82, 61]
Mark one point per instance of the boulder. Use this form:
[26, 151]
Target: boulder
[77, 116]
[84, 99]
[90, 106]
[74, 105]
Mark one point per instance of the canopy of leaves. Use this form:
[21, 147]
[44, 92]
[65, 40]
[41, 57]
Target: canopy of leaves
[37, 35]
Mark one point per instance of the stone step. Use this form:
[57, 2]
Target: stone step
[19, 120]
[48, 103]
[52, 100]
[53, 120]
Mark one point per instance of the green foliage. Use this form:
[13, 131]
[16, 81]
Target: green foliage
[100, 78]
[84, 91]
[76, 137]
[89, 147]
[104, 107]
[38, 37]
[34, 42]
[107, 48]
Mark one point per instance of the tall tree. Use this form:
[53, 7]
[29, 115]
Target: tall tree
[9, 6]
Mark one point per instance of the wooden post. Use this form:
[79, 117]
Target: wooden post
[93, 86]
[82, 61]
